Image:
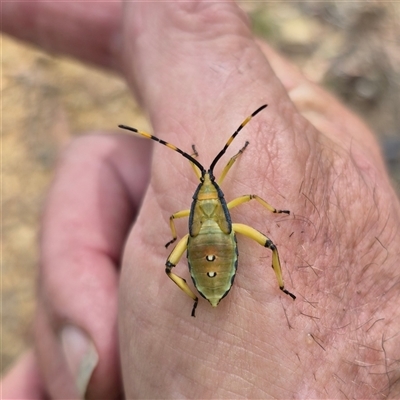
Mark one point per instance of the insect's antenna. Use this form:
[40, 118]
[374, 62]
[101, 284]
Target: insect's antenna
[230, 140]
[169, 145]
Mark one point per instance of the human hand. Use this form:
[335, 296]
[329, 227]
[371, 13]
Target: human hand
[317, 174]
[199, 76]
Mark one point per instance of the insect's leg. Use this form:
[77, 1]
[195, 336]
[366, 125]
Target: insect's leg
[266, 242]
[179, 214]
[247, 197]
[172, 260]
[230, 163]
[196, 170]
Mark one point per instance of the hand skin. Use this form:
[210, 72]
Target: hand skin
[198, 73]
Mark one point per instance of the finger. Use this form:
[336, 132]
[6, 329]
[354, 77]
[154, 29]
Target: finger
[94, 198]
[202, 57]
[71, 28]
[23, 381]
[322, 109]
[205, 56]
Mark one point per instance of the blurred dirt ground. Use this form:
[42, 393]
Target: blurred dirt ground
[351, 48]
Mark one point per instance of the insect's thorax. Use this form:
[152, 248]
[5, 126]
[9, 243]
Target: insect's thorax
[209, 208]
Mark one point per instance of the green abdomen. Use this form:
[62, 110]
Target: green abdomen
[212, 261]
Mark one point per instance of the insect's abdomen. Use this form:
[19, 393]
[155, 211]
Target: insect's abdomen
[212, 257]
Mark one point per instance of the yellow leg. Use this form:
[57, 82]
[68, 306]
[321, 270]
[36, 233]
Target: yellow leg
[266, 242]
[179, 214]
[183, 213]
[196, 170]
[230, 163]
[172, 260]
[247, 197]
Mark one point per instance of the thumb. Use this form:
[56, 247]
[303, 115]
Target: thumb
[23, 380]
[91, 205]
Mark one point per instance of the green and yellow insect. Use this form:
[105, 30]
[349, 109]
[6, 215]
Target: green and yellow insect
[212, 251]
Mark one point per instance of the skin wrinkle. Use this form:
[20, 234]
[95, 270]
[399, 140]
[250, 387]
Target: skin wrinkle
[192, 361]
[243, 372]
[256, 354]
[198, 379]
[199, 17]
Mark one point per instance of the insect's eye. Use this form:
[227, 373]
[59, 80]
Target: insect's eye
[211, 274]
[210, 257]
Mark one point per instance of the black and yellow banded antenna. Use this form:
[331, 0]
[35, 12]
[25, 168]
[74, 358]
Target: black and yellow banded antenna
[230, 140]
[169, 145]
